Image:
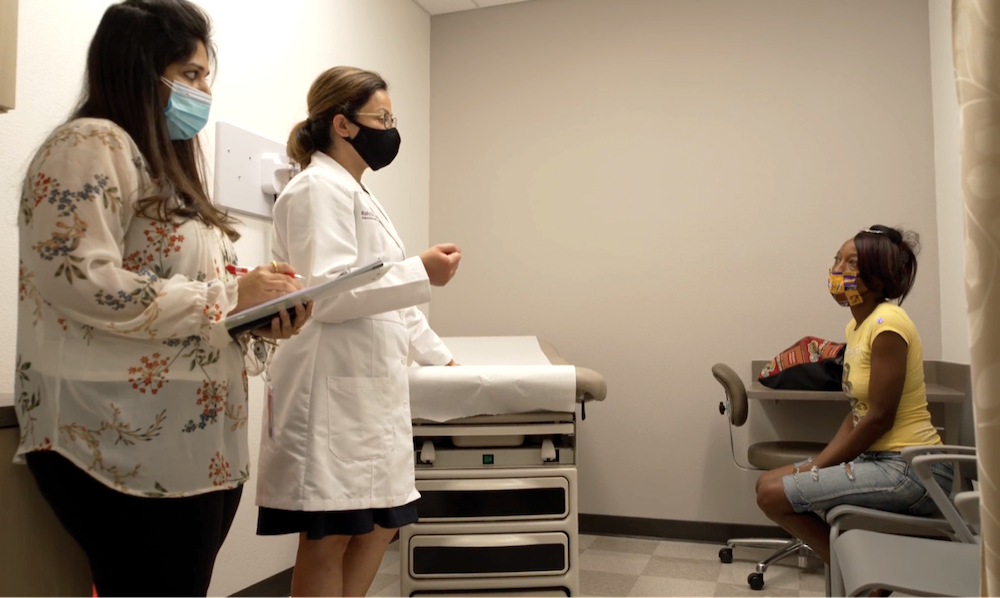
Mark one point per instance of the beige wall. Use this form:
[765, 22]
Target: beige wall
[268, 57]
[658, 186]
[948, 177]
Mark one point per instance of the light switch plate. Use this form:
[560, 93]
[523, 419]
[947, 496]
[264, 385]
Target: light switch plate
[238, 154]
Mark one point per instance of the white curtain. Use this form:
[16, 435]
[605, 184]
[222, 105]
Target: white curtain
[976, 35]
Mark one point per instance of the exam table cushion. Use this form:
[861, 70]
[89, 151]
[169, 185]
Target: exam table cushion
[521, 385]
[590, 386]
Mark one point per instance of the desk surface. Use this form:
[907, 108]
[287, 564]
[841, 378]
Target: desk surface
[757, 391]
[946, 383]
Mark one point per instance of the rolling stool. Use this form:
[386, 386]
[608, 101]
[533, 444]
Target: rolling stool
[762, 456]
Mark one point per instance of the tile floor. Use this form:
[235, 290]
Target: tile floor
[633, 567]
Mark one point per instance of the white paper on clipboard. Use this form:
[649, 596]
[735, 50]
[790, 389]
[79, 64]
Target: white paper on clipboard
[255, 317]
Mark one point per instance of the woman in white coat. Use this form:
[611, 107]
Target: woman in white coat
[336, 457]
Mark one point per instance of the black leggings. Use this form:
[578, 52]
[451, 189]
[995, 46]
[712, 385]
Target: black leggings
[137, 546]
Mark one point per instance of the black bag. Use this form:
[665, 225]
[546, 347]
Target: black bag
[810, 364]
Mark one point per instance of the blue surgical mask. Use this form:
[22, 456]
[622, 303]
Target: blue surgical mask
[186, 111]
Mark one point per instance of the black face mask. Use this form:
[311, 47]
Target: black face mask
[377, 147]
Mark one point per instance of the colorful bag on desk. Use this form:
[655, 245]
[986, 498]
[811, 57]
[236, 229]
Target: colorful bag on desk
[810, 364]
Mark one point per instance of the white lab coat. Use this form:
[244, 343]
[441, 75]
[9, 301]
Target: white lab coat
[336, 433]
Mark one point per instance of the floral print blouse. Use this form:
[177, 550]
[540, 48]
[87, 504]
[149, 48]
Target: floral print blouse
[124, 364]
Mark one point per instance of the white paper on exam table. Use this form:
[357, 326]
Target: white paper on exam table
[496, 350]
[497, 376]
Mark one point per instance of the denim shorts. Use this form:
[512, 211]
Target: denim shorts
[882, 481]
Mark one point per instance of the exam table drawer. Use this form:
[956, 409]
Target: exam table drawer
[489, 555]
[493, 499]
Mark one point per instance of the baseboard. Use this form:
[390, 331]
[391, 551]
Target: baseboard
[594, 525]
[669, 529]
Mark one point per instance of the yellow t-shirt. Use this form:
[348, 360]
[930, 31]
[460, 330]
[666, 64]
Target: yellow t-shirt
[913, 419]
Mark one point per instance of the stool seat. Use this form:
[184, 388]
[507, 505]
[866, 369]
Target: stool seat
[772, 455]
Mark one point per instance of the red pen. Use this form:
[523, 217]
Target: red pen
[241, 271]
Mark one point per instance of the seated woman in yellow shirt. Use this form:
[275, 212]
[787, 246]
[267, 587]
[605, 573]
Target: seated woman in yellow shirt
[884, 380]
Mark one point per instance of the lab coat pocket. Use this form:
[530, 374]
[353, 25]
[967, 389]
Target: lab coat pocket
[358, 408]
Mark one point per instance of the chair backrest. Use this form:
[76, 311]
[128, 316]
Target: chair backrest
[736, 393]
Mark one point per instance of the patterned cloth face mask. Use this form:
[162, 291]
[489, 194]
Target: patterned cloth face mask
[844, 288]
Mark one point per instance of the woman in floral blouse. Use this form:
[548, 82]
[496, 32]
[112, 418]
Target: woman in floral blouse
[131, 395]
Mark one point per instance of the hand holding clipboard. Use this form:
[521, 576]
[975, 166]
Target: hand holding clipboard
[261, 315]
[261, 285]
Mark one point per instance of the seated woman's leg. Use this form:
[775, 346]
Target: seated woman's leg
[806, 526]
[774, 474]
[880, 481]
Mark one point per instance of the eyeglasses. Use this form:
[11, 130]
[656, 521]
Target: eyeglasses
[385, 118]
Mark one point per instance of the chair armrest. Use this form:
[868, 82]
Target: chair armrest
[910, 452]
[845, 517]
[962, 475]
[842, 512]
[967, 504]
[922, 466]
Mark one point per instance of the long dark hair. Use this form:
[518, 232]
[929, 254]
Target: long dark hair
[340, 90]
[134, 43]
[887, 260]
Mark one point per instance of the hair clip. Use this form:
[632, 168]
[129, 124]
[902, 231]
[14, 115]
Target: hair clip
[874, 232]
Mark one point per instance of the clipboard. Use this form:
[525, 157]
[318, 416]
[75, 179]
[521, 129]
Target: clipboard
[261, 315]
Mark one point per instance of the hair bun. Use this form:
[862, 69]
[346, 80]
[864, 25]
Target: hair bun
[319, 133]
[894, 235]
[304, 136]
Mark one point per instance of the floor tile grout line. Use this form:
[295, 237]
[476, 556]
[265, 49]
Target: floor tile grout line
[608, 548]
